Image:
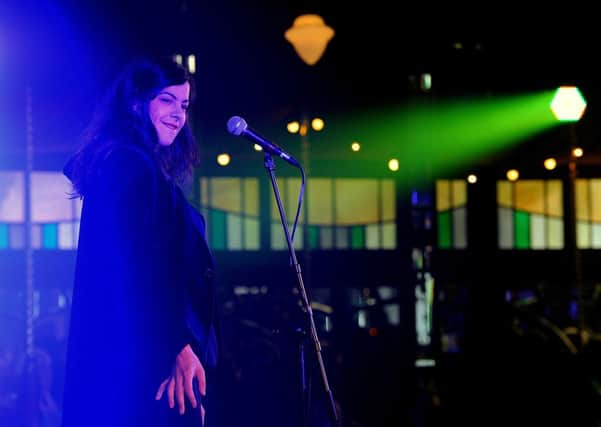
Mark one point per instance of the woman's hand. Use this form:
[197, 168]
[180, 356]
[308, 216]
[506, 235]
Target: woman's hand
[187, 367]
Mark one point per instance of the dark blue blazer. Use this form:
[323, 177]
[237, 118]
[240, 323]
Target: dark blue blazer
[144, 288]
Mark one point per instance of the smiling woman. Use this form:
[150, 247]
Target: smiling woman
[168, 112]
[141, 339]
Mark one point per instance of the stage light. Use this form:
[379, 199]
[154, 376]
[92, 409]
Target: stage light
[568, 104]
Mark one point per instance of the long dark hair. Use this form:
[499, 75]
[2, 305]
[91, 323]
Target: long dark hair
[122, 119]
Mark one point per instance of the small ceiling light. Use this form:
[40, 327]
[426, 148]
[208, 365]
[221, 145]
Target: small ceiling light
[425, 82]
[578, 152]
[393, 165]
[472, 179]
[192, 64]
[223, 159]
[355, 146]
[550, 163]
[293, 127]
[317, 124]
[513, 174]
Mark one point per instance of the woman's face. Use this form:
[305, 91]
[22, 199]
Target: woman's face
[167, 112]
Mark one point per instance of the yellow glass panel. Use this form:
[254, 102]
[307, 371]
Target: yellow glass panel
[505, 194]
[443, 195]
[226, 194]
[582, 200]
[459, 189]
[554, 198]
[320, 201]
[529, 196]
[251, 196]
[388, 200]
[356, 201]
[595, 199]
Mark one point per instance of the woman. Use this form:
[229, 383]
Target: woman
[142, 312]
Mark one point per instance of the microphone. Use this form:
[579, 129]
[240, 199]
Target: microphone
[237, 126]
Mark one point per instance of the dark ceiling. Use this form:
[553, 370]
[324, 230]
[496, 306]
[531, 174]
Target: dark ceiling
[69, 50]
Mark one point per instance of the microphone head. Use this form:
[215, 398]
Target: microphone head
[236, 125]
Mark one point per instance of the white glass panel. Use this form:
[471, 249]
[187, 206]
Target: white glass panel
[326, 238]
[372, 236]
[12, 199]
[16, 234]
[583, 234]
[49, 198]
[555, 233]
[66, 235]
[342, 238]
[389, 235]
[506, 228]
[251, 234]
[234, 231]
[459, 216]
[537, 232]
[596, 236]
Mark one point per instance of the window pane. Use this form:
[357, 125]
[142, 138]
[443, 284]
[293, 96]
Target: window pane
[537, 232]
[234, 231]
[320, 192]
[358, 237]
[389, 235]
[252, 239]
[372, 236]
[12, 200]
[356, 201]
[522, 230]
[459, 228]
[50, 202]
[444, 230]
[505, 228]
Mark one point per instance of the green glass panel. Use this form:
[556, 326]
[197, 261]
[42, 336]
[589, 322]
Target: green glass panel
[357, 237]
[49, 236]
[522, 230]
[444, 230]
[217, 235]
[313, 237]
[3, 236]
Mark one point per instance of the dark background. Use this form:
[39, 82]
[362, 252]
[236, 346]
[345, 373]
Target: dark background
[67, 52]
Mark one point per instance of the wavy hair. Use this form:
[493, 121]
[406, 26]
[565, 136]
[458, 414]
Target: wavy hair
[122, 118]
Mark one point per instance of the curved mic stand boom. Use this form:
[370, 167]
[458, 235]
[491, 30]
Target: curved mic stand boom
[270, 167]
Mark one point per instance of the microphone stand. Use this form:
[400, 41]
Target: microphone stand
[270, 167]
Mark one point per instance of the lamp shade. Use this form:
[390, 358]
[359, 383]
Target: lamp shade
[310, 36]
